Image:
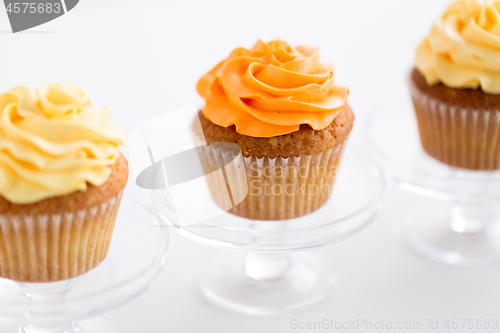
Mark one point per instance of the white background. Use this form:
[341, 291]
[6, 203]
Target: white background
[143, 58]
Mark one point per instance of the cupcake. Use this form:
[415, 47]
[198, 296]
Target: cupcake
[61, 183]
[455, 86]
[280, 105]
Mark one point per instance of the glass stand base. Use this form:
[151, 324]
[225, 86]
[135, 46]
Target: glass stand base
[247, 284]
[101, 324]
[96, 324]
[429, 232]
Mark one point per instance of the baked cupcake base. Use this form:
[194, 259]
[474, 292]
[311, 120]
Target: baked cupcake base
[459, 127]
[63, 237]
[287, 176]
[278, 188]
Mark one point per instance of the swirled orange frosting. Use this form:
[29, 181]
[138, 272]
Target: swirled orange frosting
[271, 90]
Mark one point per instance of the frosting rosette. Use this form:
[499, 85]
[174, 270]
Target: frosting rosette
[52, 142]
[271, 90]
[463, 48]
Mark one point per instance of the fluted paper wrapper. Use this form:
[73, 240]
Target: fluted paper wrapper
[278, 188]
[54, 247]
[461, 137]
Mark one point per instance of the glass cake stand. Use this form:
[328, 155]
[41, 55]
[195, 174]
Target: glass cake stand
[135, 261]
[462, 228]
[268, 277]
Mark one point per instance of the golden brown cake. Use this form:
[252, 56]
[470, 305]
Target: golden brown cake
[459, 127]
[455, 87]
[92, 196]
[60, 190]
[302, 142]
[280, 106]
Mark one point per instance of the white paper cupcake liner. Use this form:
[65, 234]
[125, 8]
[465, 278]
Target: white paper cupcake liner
[278, 188]
[54, 247]
[462, 137]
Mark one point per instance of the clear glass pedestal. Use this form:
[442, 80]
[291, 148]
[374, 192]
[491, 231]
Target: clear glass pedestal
[135, 261]
[273, 273]
[461, 226]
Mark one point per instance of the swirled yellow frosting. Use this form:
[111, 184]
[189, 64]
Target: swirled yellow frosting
[271, 90]
[463, 48]
[52, 142]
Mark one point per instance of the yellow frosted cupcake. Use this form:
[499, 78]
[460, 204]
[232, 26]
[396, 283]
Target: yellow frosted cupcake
[61, 182]
[455, 86]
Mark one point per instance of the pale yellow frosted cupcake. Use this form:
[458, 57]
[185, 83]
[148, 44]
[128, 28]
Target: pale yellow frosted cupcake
[455, 86]
[61, 182]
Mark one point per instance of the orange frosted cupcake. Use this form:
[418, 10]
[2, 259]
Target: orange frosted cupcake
[455, 86]
[61, 182]
[280, 105]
